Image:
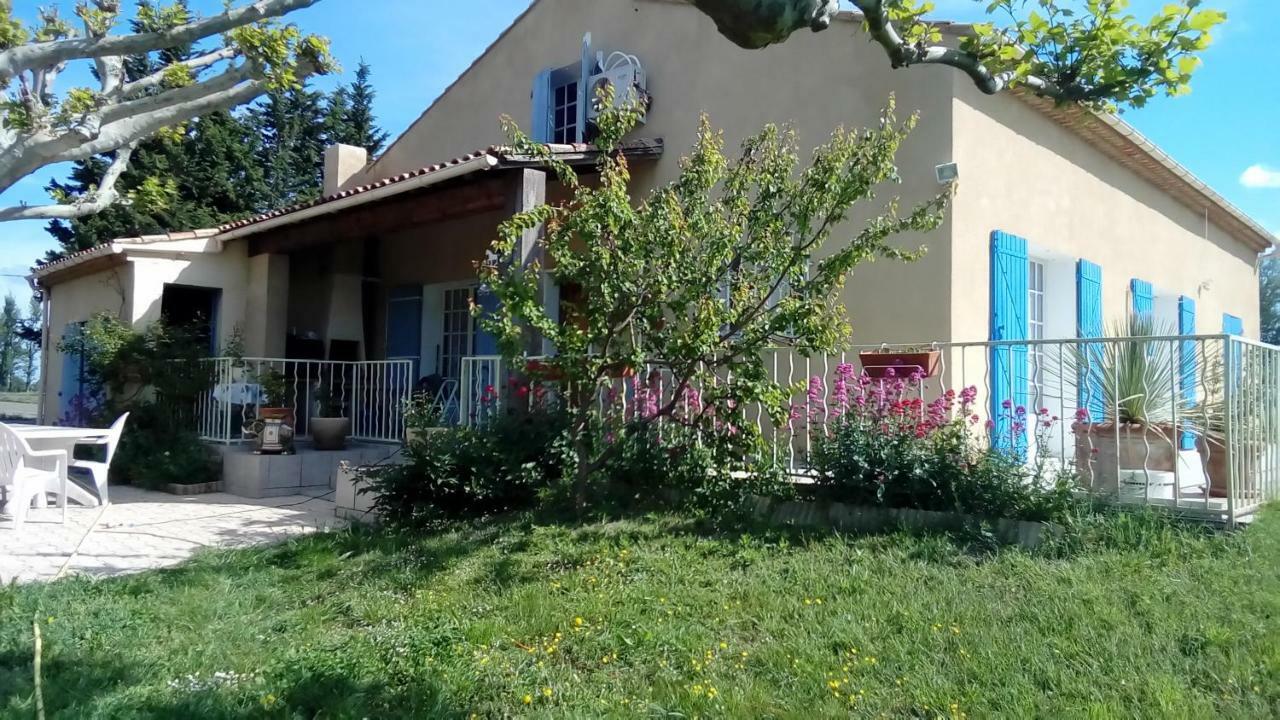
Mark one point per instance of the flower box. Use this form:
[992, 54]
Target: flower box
[881, 365]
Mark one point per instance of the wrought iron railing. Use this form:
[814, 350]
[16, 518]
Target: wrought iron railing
[371, 394]
[1199, 416]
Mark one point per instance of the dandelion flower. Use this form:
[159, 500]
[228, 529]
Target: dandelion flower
[527, 699]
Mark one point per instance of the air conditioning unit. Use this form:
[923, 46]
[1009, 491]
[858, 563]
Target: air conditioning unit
[626, 75]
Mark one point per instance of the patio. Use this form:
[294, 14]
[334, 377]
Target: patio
[142, 530]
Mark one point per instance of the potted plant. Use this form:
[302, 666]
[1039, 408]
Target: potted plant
[1129, 430]
[903, 363]
[275, 396]
[329, 425]
[423, 414]
[1245, 431]
[273, 428]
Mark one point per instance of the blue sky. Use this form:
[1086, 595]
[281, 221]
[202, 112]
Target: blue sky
[1227, 131]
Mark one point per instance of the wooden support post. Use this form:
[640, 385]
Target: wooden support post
[529, 192]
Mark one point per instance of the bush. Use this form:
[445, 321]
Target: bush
[155, 451]
[712, 473]
[470, 472]
[155, 375]
[888, 449]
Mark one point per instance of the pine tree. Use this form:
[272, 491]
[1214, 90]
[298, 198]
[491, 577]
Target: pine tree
[292, 129]
[351, 119]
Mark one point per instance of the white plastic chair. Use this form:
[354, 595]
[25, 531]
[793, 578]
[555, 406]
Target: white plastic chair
[22, 477]
[99, 470]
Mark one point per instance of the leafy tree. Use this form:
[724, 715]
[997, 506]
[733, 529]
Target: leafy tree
[351, 119]
[38, 128]
[10, 342]
[1086, 51]
[29, 333]
[700, 278]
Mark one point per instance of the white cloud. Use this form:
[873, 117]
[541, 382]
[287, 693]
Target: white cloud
[1260, 176]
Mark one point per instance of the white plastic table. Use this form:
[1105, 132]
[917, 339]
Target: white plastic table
[58, 437]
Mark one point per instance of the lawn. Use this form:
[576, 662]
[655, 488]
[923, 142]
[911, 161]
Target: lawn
[653, 617]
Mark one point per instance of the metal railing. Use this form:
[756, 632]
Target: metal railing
[371, 394]
[1199, 416]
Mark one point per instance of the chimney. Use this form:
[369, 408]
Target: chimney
[341, 163]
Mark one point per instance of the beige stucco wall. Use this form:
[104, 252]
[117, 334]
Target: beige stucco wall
[227, 270]
[133, 290]
[1025, 175]
[814, 81]
[76, 301]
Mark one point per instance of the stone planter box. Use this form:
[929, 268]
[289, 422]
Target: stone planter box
[350, 503]
[197, 489]
[864, 519]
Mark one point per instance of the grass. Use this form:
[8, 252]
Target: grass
[27, 398]
[652, 617]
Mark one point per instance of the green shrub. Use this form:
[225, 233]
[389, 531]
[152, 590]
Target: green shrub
[155, 375]
[470, 472]
[712, 473]
[155, 452]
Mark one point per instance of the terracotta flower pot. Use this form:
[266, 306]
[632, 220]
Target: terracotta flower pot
[878, 365]
[1102, 453]
[278, 413]
[1217, 467]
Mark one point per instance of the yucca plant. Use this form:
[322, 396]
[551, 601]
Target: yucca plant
[1131, 378]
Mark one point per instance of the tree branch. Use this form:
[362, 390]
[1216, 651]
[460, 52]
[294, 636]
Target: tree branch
[121, 124]
[903, 54]
[195, 65]
[97, 201]
[35, 55]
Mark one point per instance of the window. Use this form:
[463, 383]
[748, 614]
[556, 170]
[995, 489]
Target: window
[458, 331]
[564, 128]
[193, 308]
[1035, 329]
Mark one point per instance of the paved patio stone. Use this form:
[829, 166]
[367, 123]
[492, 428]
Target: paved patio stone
[143, 530]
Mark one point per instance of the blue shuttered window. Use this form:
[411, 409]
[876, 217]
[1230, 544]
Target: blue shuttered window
[1232, 325]
[1187, 360]
[404, 325]
[1008, 322]
[1144, 302]
[485, 343]
[1089, 325]
[586, 70]
[540, 126]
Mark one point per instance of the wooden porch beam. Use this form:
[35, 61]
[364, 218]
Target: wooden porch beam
[432, 205]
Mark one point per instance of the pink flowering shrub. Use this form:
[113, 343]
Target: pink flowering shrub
[885, 444]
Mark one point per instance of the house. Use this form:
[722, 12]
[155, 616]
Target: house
[1063, 220]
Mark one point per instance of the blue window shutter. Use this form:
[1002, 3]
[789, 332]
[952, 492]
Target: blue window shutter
[1143, 297]
[1232, 325]
[404, 325]
[584, 92]
[1187, 361]
[485, 343]
[1089, 325]
[1008, 322]
[540, 127]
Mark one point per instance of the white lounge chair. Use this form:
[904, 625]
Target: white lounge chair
[25, 474]
[99, 470]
